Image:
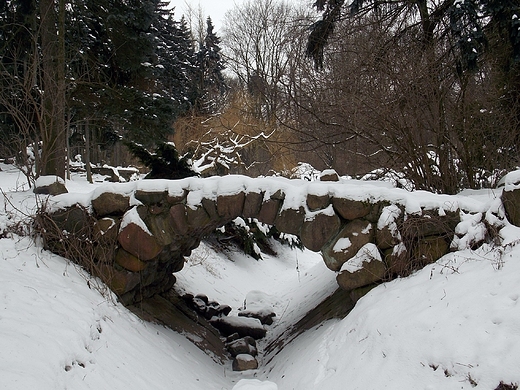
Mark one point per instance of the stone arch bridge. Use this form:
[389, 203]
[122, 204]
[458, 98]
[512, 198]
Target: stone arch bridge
[136, 235]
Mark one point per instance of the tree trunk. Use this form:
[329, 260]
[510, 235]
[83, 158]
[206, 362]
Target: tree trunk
[87, 152]
[53, 100]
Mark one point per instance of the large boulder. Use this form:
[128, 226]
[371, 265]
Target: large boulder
[244, 326]
[136, 239]
[347, 243]
[363, 269]
[290, 221]
[351, 209]
[318, 229]
[511, 202]
[50, 185]
[230, 206]
[244, 362]
[109, 203]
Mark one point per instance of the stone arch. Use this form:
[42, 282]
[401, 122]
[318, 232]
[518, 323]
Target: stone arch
[157, 224]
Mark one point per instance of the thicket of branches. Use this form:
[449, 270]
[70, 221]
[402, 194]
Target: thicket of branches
[427, 88]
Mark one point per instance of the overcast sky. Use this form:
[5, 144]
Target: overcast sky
[214, 8]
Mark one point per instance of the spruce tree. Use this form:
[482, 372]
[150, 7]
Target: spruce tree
[211, 85]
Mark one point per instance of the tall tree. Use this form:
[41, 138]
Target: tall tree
[53, 132]
[211, 85]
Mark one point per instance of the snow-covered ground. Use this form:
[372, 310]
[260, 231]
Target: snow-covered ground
[453, 325]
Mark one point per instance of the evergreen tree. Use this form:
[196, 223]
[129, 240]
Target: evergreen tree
[129, 67]
[211, 85]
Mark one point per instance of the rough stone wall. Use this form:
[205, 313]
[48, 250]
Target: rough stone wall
[141, 237]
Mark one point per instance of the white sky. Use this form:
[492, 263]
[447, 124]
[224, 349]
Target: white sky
[216, 9]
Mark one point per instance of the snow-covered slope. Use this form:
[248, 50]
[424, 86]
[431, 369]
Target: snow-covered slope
[453, 325]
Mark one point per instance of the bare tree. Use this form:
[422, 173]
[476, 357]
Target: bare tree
[259, 47]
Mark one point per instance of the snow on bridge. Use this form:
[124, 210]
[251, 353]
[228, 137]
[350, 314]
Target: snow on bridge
[135, 235]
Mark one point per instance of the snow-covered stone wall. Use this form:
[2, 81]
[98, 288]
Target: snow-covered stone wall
[141, 232]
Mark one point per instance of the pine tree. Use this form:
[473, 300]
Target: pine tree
[211, 85]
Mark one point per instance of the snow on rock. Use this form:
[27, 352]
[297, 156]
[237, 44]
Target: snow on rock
[244, 362]
[254, 384]
[470, 231]
[365, 268]
[244, 326]
[48, 180]
[258, 305]
[132, 217]
[50, 185]
[366, 254]
[342, 245]
[294, 190]
[510, 181]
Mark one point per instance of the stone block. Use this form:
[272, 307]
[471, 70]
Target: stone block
[369, 273]
[173, 199]
[252, 204]
[179, 219]
[73, 220]
[55, 188]
[241, 346]
[105, 230]
[511, 202]
[351, 209]
[269, 211]
[430, 249]
[198, 219]
[161, 227]
[109, 203]
[151, 197]
[139, 242]
[129, 261]
[430, 223]
[351, 238]
[385, 239]
[317, 202]
[230, 206]
[244, 362]
[211, 208]
[329, 175]
[120, 282]
[242, 325]
[290, 221]
[316, 232]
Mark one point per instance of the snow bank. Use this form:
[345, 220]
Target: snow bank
[453, 325]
